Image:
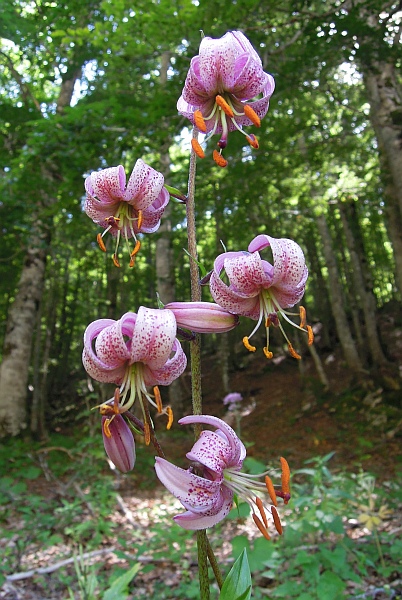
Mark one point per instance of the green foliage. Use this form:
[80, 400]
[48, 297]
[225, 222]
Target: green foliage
[316, 557]
[237, 585]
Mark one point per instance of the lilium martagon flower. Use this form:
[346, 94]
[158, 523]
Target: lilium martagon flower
[261, 290]
[226, 88]
[208, 490]
[135, 352]
[126, 211]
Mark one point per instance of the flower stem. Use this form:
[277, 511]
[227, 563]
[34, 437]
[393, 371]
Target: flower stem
[195, 356]
[214, 565]
[203, 565]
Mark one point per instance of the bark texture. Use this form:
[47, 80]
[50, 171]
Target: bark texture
[336, 298]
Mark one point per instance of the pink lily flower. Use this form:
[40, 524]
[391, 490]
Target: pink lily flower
[203, 317]
[126, 211]
[119, 442]
[135, 352]
[208, 496]
[225, 89]
[263, 291]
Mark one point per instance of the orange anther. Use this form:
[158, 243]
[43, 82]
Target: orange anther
[285, 477]
[139, 220]
[302, 314]
[101, 243]
[199, 121]
[220, 100]
[268, 322]
[261, 527]
[248, 345]
[106, 429]
[277, 521]
[262, 510]
[271, 490]
[116, 400]
[253, 141]
[169, 413]
[132, 262]
[252, 115]
[218, 158]
[115, 260]
[293, 352]
[158, 399]
[197, 148]
[147, 434]
[267, 352]
[136, 248]
[310, 334]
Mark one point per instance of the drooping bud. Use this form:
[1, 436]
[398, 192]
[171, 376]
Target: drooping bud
[119, 442]
[203, 317]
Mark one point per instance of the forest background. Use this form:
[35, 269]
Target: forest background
[88, 85]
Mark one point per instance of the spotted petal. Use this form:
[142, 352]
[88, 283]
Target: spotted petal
[195, 521]
[144, 186]
[153, 337]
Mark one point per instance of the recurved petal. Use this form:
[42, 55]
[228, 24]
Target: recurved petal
[211, 450]
[153, 337]
[111, 345]
[216, 62]
[99, 211]
[246, 274]
[233, 301]
[170, 371]
[195, 493]
[107, 185]
[194, 521]
[144, 185]
[151, 216]
[94, 366]
[119, 445]
[237, 449]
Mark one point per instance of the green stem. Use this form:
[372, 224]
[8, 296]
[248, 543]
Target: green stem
[214, 565]
[195, 357]
[378, 544]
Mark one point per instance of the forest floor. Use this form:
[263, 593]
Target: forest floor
[286, 413]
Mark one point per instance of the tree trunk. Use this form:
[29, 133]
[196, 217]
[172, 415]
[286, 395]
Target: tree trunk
[365, 294]
[22, 315]
[336, 299]
[21, 321]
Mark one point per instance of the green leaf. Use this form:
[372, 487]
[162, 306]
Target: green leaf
[118, 590]
[330, 586]
[237, 585]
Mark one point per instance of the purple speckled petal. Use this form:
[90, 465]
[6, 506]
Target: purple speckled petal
[170, 371]
[94, 366]
[246, 274]
[194, 521]
[233, 301]
[144, 185]
[110, 345]
[99, 211]
[194, 492]
[151, 216]
[107, 185]
[153, 337]
[213, 451]
[237, 449]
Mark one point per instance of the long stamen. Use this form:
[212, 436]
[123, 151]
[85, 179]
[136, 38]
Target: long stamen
[253, 141]
[140, 218]
[310, 333]
[262, 510]
[293, 352]
[115, 260]
[271, 490]
[268, 353]
[197, 148]
[221, 102]
[169, 413]
[218, 158]
[277, 521]
[302, 313]
[252, 115]
[285, 477]
[147, 433]
[158, 399]
[199, 121]
[261, 527]
[248, 345]
[101, 243]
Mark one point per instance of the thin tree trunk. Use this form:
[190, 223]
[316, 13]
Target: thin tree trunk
[366, 296]
[22, 314]
[336, 299]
